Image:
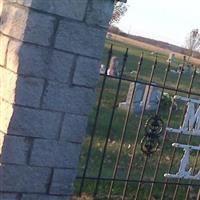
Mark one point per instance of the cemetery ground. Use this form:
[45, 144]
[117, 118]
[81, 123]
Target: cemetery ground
[130, 136]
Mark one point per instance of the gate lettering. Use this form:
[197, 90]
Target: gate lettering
[183, 171]
[191, 123]
[190, 126]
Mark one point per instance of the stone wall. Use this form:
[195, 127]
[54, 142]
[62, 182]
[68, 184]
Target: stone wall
[50, 53]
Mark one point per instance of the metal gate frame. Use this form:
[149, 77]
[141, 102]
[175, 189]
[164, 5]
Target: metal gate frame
[127, 180]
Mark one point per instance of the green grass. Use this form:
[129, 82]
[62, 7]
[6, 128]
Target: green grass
[130, 136]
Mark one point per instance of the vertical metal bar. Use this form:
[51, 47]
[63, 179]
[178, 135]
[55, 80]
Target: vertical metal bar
[146, 159]
[189, 188]
[163, 89]
[141, 178]
[158, 108]
[165, 133]
[125, 128]
[157, 112]
[138, 132]
[110, 124]
[95, 121]
[198, 195]
[178, 136]
[190, 137]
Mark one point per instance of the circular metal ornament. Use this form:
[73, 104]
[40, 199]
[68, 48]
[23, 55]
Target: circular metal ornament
[154, 125]
[149, 145]
[153, 129]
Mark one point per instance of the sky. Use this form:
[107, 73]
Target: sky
[165, 20]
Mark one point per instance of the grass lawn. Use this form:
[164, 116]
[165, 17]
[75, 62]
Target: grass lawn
[131, 141]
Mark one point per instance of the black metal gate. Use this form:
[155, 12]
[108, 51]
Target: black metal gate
[127, 153]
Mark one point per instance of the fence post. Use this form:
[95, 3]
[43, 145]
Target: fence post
[50, 53]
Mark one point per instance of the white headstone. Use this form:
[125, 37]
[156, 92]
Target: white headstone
[171, 58]
[137, 98]
[152, 97]
[113, 68]
[102, 69]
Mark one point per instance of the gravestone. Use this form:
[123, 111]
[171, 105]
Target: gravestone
[143, 94]
[151, 97]
[171, 58]
[198, 71]
[184, 68]
[113, 68]
[137, 98]
[102, 69]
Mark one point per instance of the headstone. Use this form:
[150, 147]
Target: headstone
[102, 69]
[154, 53]
[138, 94]
[109, 36]
[198, 71]
[171, 58]
[184, 68]
[113, 68]
[143, 93]
[151, 97]
[137, 98]
[188, 69]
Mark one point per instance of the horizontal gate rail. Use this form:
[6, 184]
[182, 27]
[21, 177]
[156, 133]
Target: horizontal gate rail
[134, 181]
[153, 84]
